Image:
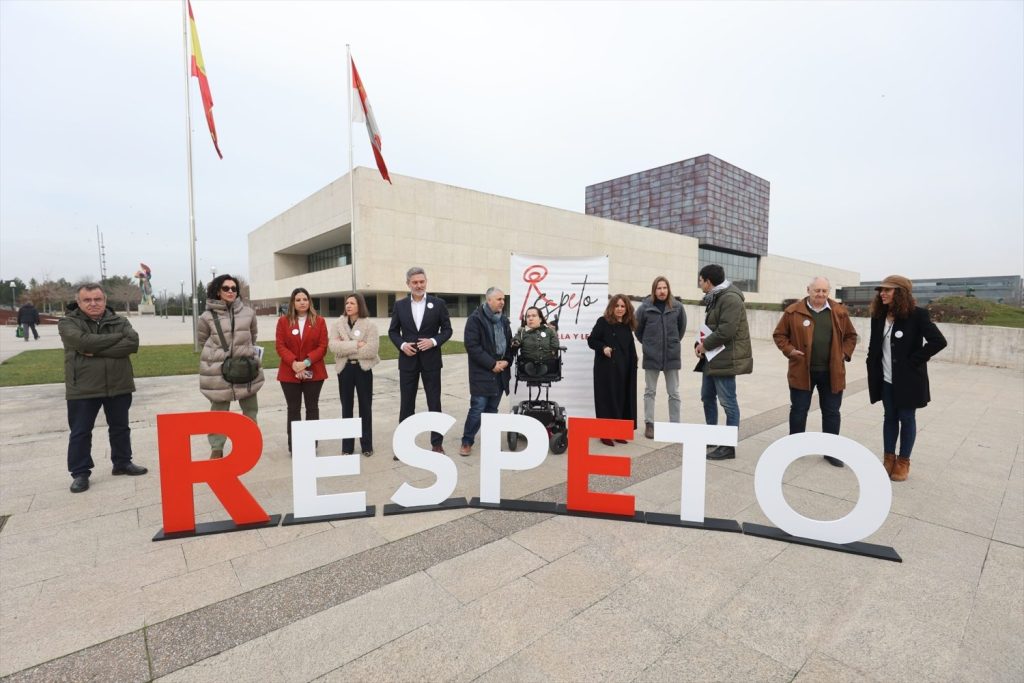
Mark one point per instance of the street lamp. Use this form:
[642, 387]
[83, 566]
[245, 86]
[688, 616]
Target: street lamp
[165, 302]
[14, 295]
[213, 272]
[182, 301]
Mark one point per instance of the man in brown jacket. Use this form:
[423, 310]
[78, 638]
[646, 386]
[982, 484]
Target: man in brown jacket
[817, 337]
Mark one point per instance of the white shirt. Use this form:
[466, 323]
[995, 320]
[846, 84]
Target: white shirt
[818, 310]
[418, 309]
[302, 325]
[887, 350]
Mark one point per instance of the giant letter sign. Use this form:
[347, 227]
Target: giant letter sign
[178, 472]
[404, 446]
[493, 460]
[307, 468]
[863, 520]
[695, 439]
[582, 464]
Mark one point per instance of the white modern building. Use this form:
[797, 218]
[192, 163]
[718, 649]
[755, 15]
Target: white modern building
[463, 239]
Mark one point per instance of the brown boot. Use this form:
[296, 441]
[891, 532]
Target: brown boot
[901, 469]
[649, 430]
[889, 462]
[216, 453]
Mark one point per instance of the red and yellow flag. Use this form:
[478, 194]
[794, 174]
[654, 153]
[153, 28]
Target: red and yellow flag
[199, 71]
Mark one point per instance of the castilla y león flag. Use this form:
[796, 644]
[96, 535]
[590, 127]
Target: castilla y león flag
[199, 71]
[364, 112]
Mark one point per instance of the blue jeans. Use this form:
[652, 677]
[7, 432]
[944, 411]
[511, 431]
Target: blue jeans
[898, 423]
[800, 404]
[477, 406]
[82, 414]
[724, 389]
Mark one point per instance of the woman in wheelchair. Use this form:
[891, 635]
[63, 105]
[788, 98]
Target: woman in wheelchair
[537, 344]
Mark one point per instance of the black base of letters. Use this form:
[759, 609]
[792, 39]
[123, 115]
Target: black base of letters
[516, 505]
[222, 527]
[638, 515]
[710, 523]
[290, 519]
[881, 552]
[450, 504]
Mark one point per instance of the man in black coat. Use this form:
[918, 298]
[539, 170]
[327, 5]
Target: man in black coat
[28, 318]
[419, 326]
[488, 339]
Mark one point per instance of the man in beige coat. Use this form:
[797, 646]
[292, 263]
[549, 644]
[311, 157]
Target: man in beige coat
[817, 337]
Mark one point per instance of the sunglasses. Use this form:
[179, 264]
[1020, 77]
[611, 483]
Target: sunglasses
[229, 289]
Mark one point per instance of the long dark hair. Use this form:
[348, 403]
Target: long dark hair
[292, 315]
[213, 289]
[903, 303]
[609, 311]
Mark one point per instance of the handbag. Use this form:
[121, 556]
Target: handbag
[20, 332]
[235, 370]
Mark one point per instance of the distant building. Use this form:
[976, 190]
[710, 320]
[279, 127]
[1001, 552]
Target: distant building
[1004, 289]
[723, 206]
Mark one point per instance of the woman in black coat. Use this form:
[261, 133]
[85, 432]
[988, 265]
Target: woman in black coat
[903, 339]
[615, 363]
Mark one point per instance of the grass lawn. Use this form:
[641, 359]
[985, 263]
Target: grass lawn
[47, 366]
[992, 313]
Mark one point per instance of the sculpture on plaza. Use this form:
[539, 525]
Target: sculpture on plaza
[145, 274]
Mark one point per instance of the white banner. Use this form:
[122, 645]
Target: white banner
[573, 292]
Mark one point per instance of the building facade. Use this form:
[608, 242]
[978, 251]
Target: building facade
[463, 239]
[1003, 289]
[724, 207]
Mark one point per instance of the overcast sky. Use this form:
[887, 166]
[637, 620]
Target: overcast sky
[891, 133]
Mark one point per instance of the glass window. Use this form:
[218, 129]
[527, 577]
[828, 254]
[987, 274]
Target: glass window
[333, 257]
[739, 268]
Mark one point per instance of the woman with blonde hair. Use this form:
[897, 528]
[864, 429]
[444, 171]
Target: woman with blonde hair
[615, 363]
[903, 340]
[355, 343]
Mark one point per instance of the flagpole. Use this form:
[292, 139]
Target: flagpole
[191, 201]
[351, 174]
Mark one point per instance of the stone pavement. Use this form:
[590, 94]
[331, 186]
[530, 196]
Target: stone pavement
[495, 595]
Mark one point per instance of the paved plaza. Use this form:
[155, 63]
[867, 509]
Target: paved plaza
[85, 594]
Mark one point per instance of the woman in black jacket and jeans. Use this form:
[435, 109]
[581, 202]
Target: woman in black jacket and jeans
[903, 339]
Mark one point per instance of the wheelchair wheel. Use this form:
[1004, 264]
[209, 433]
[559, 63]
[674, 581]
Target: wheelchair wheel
[559, 443]
[512, 439]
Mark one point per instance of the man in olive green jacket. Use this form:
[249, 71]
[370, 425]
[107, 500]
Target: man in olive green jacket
[728, 344]
[97, 374]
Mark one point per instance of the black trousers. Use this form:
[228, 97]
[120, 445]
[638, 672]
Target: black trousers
[354, 381]
[408, 383]
[82, 414]
[297, 393]
[30, 326]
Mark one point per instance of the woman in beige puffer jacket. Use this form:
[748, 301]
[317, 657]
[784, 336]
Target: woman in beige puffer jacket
[223, 301]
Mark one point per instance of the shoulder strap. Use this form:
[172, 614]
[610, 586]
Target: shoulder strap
[220, 332]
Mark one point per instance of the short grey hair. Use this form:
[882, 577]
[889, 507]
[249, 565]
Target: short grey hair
[819, 277]
[491, 291]
[415, 270]
[90, 286]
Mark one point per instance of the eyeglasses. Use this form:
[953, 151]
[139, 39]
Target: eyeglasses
[229, 289]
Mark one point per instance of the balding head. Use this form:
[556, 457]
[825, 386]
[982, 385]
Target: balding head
[818, 290]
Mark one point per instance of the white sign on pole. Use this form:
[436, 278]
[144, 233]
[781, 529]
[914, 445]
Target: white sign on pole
[573, 292]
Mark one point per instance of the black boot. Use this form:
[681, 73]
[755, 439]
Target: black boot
[723, 453]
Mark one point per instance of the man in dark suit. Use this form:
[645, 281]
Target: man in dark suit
[419, 326]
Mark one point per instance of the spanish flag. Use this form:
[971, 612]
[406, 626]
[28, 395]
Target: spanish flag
[199, 71]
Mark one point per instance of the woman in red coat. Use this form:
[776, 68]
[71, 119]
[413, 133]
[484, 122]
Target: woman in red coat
[301, 344]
